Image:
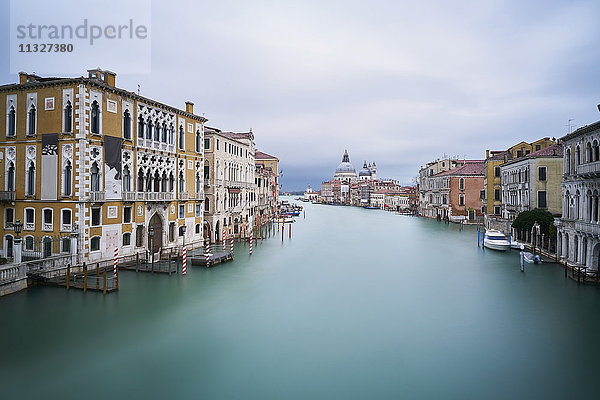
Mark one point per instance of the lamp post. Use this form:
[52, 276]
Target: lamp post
[18, 225]
[183, 229]
[151, 234]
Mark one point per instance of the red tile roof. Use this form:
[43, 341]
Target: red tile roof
[556, 150]
[472, 167]
[259, 155]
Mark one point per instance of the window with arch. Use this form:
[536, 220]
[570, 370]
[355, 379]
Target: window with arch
[149, 129]
[568, 162]
[140, 127]
[157, 131]
[181, 138]
[164, 182]
[126, 179]
[198, 141]
[8, 240]
[577, 155]
[164, 133]
[461, 184]
[127, 239]
[68, 117]
[28, 243]
[149, 181]
[596, 151]
[198, 183]
[95, 178]
[66, 219]
[171, 134]
[197, 229]
[29, 224]
[67, 179]
[206, 205]
[95, 118]
[10, 177]
[12, 122]
[30, 181]
[156, 182]
[140, 181]
[65, 245]
[181, 182]
[171, 182]
[588, 152]
[47, 219]
[95, 243]
[126, 125]
[31, 117]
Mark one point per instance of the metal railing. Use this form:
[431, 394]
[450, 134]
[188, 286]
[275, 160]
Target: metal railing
[7, 195]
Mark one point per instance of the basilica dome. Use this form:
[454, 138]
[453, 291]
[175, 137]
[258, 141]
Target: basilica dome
[345, 171]
[364, 171]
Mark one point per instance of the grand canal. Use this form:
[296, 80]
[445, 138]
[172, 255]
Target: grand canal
[359, 304]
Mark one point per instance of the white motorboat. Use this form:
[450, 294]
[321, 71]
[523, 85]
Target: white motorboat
[531, 259]
[496, 240]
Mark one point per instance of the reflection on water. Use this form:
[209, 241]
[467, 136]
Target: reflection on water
[358, 304]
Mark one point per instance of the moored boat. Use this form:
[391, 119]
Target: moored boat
[531, 259]
[495, 240]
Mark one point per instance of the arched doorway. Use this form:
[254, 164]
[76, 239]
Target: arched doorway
[155, 242]
[207, 231]
[217, 232]
[595, 257]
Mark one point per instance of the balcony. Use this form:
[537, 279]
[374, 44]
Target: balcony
[589, 169]
[129, 196]
[29, 226]
[98, 197]
[183, 196]
[156, 196]
[7, 195]
[588, 227]
[197, 196]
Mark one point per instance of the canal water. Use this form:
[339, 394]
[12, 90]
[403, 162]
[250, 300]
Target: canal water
[359, 304]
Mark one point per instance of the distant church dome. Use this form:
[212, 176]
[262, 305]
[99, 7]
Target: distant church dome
[364, 171]
[345, 171]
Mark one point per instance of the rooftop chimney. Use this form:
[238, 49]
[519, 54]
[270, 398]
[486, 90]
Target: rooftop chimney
[189, 107]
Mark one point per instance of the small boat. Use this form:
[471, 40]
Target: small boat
[531, 259]
[515, 245]
[495, 240]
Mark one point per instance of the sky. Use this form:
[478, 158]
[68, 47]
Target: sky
[396, 82]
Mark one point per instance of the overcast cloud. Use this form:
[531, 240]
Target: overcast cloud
[399, 83]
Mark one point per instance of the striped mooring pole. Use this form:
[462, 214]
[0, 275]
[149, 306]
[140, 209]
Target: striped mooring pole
[251, 240]
[184, 267]
[223, 239]
[116, 261]
[207, 252]
[231, 238]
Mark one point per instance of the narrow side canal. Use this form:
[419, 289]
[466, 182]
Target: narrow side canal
[359, 304]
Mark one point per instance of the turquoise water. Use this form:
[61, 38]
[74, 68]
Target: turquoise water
[359, 304]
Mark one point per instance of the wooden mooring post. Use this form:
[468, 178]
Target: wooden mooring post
[68, 275]
[84, 278]
[104, 280]
[97, 275]
[137, 262]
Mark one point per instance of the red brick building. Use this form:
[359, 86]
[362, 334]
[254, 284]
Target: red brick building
[457, 193]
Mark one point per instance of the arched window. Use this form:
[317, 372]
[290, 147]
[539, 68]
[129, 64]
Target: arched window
[164, 133]
[149, 130]
[127, 125]
[577, 155]
[68, 116]
[181, 183]
[568, 162]
[156, 182]
[461, 184]
[206, 205]
[198, 142]
[95, 175]
[171, 134]
[149, 182]
[164, 183]
[67, 174]
[31, 179]
[127, 239]
[95, 118]
[11, 122]
[181, 138]
[31, 121]
[140, 127]
[157, 131]
[95, 243]
[126, 179]
[198, 183]
[140, 185]
[10, 180]
[171, 183]
[588, 152]
[596, 150]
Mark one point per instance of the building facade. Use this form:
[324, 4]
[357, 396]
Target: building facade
[578, 230]
[89, 167]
